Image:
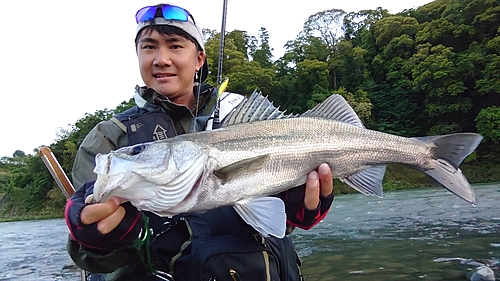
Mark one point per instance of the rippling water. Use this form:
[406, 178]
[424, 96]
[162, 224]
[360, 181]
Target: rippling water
[362, 238]
[399, 237]
[35, 250]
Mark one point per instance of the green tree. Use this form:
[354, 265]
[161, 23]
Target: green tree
[490, 74]
[19, 154]
[357, 23]
[430, 70]
[430, 11]
[488, 123]
[242, 41]
[28, 185]
[446, 32]
[232, 56]
[348, 66]
[327, 25]
[263, 53]
[310, 74]
[249, 76]
[390, 27]
[435, 75]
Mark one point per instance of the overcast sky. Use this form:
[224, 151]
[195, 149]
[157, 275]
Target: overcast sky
[62, 59]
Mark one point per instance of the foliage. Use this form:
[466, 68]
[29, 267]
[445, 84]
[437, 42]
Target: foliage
[263, 54]
[30, 190]
[488, 123]
[430, 70]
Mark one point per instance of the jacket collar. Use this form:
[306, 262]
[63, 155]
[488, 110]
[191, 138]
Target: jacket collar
[151, 100]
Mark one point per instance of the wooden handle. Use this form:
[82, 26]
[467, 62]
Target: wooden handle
[56, 171]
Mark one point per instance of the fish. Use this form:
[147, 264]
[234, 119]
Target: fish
[260, 151]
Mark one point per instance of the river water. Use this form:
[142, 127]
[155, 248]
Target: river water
[400, 236]
[404, 236]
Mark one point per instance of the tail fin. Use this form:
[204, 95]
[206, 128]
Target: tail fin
[449, 152]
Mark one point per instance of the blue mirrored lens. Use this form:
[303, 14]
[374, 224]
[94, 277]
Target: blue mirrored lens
[174, 13]
[145, 14]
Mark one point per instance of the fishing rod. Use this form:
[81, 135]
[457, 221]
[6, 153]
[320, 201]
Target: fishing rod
[220, 84]
[221, 43]
[57, 172]
[62, 182]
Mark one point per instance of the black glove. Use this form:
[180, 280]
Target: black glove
[297, 214]
[89, 236]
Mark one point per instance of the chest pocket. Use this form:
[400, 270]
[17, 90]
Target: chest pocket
[150, 126]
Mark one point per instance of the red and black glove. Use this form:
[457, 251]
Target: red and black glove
[297, 214]
[89, 236]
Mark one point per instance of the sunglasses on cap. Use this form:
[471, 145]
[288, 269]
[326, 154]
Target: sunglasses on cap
[169, 12]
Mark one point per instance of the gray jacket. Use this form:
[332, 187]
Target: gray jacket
[110, 135]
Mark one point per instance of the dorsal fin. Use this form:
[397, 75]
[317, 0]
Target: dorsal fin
[337, 108]
[256, 108]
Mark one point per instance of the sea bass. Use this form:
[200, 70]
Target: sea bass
[243, 162]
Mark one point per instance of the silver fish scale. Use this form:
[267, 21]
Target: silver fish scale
[295, 147]
[306, 138]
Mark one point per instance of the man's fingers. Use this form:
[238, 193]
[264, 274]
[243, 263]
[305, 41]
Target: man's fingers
[325, 180]
[311, 197]
[109, 223]
[96, 212]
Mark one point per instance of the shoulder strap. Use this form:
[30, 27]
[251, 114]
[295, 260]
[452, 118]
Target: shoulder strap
[126, 115]
[119, 124]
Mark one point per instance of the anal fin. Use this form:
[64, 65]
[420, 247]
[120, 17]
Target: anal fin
[367, 181]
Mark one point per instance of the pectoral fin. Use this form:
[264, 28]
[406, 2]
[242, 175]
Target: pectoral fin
[265, 214]
[241, 168]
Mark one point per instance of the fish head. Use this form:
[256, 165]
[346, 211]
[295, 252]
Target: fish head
[139, 172]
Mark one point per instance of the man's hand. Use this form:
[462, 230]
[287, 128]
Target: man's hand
[102, 226]
[107, 215]
[308, 204]
[319, 183]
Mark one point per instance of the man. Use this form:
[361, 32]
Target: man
[113, 237]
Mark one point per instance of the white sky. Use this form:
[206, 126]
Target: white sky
[62, 59]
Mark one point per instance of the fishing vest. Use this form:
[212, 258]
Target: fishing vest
[216, 245]
[142, 125]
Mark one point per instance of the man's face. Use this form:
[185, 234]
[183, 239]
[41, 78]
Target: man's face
[168, 64]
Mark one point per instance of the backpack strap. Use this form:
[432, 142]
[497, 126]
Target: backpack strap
[119, 124]
[125, 116]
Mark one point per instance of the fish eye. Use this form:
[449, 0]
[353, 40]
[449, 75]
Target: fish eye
[136, 149]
